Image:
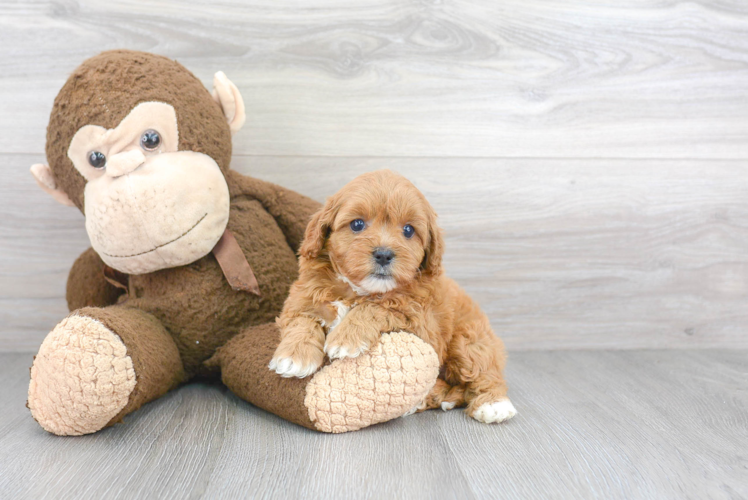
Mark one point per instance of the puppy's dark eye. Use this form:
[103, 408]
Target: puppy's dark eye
[96, 159]
[150, 140]
[358, 225]
[408, 231]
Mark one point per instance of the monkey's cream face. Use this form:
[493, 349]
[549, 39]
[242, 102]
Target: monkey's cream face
[148, 206]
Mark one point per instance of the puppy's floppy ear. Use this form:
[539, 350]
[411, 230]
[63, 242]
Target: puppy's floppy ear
[432, 260]
[319, 229]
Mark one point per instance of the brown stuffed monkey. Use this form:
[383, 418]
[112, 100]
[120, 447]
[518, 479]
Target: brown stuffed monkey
[190, 262]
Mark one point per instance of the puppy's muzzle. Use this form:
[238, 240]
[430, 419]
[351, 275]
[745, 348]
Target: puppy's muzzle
[383, 256]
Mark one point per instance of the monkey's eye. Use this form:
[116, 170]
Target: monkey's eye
[150, 140]
[96, 159]
[358, 225]
[408, 231]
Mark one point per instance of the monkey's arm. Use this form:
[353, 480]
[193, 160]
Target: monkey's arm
[87, 286]
[291, 210]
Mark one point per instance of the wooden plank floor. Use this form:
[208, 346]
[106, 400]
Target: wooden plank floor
[589, 161]
[591, 424]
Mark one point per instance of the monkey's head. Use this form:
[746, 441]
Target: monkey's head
[138, 144]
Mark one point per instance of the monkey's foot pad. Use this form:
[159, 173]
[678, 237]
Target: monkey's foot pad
[81, 378]
[382, 384]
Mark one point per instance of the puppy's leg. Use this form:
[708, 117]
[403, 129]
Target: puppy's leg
[476, 358]
[299, 353]
[359, 331]
[444, 396]
[487, 398]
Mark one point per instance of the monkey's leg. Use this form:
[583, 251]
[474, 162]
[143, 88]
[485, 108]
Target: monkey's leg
[98, 365]
[87, 286]
[346, 395]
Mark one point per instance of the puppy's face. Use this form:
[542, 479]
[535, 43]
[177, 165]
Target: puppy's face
[379, 233]
[378, 246]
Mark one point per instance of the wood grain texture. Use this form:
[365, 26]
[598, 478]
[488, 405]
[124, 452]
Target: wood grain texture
[579, 254]
[605, 424]
[560, 253]
[588, 161]
[476, 78]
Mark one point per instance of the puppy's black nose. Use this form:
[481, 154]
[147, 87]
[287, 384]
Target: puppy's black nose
[383, 256]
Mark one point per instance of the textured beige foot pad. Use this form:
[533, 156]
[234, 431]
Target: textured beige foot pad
[382, 384]
[81, 378]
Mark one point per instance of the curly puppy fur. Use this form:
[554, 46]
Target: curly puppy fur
[345, 297]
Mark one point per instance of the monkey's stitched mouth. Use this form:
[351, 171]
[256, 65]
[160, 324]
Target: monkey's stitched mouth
[161, 245]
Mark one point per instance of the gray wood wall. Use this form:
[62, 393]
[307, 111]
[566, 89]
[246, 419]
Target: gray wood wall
[589, 161]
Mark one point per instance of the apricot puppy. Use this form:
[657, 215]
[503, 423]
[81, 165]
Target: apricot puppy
[370, 263]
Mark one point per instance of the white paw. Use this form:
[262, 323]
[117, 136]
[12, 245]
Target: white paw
[420, 406]
[499, 411]
[339, 352]
[410, 412]
[287, 367]
[447, 406]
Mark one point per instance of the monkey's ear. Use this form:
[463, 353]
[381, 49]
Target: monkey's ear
[228, 97]
[43, 175]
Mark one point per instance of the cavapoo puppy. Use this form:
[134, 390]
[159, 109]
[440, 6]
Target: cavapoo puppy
[371, 263]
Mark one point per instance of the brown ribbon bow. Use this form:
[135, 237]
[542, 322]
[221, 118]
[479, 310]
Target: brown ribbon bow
[234, 264]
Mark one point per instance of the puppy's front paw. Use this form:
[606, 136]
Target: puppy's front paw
[299, 360]
[422, 406]
[336, 350]
[498, 411]
[349, 342]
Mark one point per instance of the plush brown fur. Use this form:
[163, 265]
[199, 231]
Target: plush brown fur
[183, 322]
[172, 321]
[193, 312]
[424, 301]
[244, 362]
[105, 88]
[97, 292]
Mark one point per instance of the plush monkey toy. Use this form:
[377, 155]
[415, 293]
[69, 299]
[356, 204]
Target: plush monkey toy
[190, 262]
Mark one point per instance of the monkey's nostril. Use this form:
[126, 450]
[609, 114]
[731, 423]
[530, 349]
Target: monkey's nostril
[383, 256]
